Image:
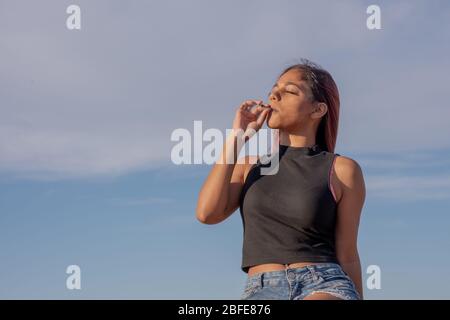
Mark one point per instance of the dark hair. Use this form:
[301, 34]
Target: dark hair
[325, 90]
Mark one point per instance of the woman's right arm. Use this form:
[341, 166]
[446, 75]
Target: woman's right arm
[219, 195]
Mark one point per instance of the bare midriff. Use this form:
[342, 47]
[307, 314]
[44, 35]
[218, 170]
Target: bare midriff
[276, 266]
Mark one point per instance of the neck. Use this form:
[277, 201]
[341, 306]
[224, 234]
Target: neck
[297, 140]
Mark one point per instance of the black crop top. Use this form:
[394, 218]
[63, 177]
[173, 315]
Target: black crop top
[289, 216]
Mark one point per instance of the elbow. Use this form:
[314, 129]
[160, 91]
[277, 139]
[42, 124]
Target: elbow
[204, 217]
[201, 216]
[200, 213]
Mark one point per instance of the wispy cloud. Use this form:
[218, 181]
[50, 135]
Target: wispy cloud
[409, 188]
[74, 106]
[138, 201]
[435, 160]
[407, 176]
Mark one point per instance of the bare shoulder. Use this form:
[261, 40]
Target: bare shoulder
[347, 167]
[349, 173]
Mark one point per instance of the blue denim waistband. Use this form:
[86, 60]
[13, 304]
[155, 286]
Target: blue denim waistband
[295, 270]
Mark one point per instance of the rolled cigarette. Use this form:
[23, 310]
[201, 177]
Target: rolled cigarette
[260, 105]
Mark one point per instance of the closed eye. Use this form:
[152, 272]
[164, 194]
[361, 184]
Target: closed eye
[291, 92]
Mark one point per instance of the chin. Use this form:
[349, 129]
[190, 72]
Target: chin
[272, 124]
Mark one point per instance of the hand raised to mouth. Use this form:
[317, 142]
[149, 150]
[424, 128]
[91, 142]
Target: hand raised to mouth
[250, 116]
[262, 105]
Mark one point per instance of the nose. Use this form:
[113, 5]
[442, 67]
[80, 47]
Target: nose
[274, 96]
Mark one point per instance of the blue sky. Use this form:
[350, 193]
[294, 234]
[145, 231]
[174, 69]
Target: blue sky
[86, 118]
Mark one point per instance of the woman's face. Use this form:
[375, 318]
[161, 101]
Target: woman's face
[291, 101]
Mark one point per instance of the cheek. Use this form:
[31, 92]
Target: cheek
[297, 103]
[287, 117]
[293, 111]
[299, 108]
[292, 102]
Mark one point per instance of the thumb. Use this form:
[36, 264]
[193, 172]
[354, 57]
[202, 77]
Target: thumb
[262, 117]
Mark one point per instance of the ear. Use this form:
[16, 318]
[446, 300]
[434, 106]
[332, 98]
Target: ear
[320, 110]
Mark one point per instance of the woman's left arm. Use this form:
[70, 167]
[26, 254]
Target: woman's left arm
[349, 209]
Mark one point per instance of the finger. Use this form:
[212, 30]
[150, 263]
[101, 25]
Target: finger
[257, 109]
[248, 115]
[262, 117]
[251, 110]
[260, 108]
[249, 103]
[255, 101]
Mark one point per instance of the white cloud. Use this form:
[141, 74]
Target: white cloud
[104, 101]
[139, 201]
[408, 188]
[405, 161]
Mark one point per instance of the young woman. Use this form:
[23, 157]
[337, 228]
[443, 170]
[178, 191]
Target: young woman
[300, 224]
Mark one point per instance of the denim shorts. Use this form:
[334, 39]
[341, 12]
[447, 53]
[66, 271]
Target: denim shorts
[297, 283]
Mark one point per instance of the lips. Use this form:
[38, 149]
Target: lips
[271, 107]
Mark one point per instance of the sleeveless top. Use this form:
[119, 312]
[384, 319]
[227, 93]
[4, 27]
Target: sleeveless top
[289, 216]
